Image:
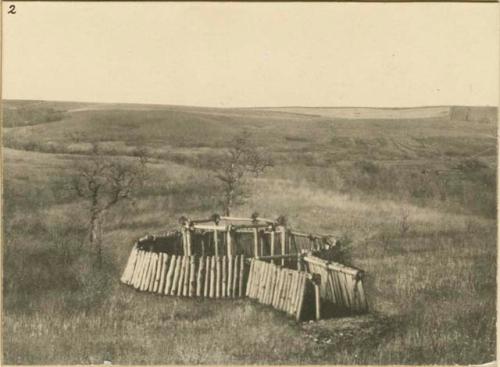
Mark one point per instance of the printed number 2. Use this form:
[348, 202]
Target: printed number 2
[12, 9]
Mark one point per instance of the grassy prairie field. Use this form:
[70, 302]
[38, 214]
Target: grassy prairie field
[411, 195]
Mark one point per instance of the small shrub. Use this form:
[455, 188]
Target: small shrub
[404, 224]
[341, 252]
[367, 167]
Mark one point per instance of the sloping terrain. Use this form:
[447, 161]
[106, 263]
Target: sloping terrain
[411, 199]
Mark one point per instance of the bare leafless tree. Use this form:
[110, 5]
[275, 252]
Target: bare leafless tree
[104, 181]
[242, 159]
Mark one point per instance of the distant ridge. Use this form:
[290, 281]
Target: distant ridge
[462, 113]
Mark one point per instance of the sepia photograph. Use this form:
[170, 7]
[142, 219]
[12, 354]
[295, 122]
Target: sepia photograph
[231, 183]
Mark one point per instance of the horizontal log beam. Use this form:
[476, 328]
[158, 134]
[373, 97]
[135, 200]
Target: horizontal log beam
[333, 266]
[241, 219]
[238, 226]
[209, 227]
[314, 235]
[274, 257]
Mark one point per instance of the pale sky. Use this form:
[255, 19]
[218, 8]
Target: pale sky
[253, 54]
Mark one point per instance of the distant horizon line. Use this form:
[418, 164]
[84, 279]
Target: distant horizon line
[246, 107]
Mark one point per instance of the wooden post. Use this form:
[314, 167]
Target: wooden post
[212, 277]
[284, 293]
[207, 277]
[256, 242]
[229, 275]
[345, 285]
[235, 271]
[293, 298]
[281, 283]
[142, 270]
[137, 269]
[179, 282]
[269, 271]
[134, 270]
[192, 277]
[262, 274]
[283, 245]
[159, 268]
[152, 273]
[217, 277]
[302, 278]
[302, 290]
[188, 242]
[224, 276]
[155, 274]
[132, 261]
[164, 268]
[291, 240]
[229, 242]
[199, 278]
[332, 279]
[272, 243]
[272, 289]
[363, 305]
[277, 288]
[253, 280]
[163, 272]
[175, 280]
[296, 294]
[184, 241]
[330, 288]
[286, 298]
[261, 235]
[339, 293]
[271, 285]
[262, 278]
[250, 278]
[281, 286]
[125, 274]
[187, 273]
[146, 270]
[317, 297]
[242, 273]
[170, 273]
[284, 289]
[152, 266]
[263, 287]
[216, 243]
[291, 291]
[180, 286]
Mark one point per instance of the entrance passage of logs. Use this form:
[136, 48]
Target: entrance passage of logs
[227, 257]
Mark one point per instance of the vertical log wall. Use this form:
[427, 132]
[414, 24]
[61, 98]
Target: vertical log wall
[273, 285]
[207, 261]
[187, 276]
[341, 285]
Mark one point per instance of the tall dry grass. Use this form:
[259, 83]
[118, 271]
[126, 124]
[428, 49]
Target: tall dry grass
[430, 276]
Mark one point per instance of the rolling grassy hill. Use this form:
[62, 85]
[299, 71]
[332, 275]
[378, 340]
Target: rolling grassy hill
[312, 139]
[411, 194]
